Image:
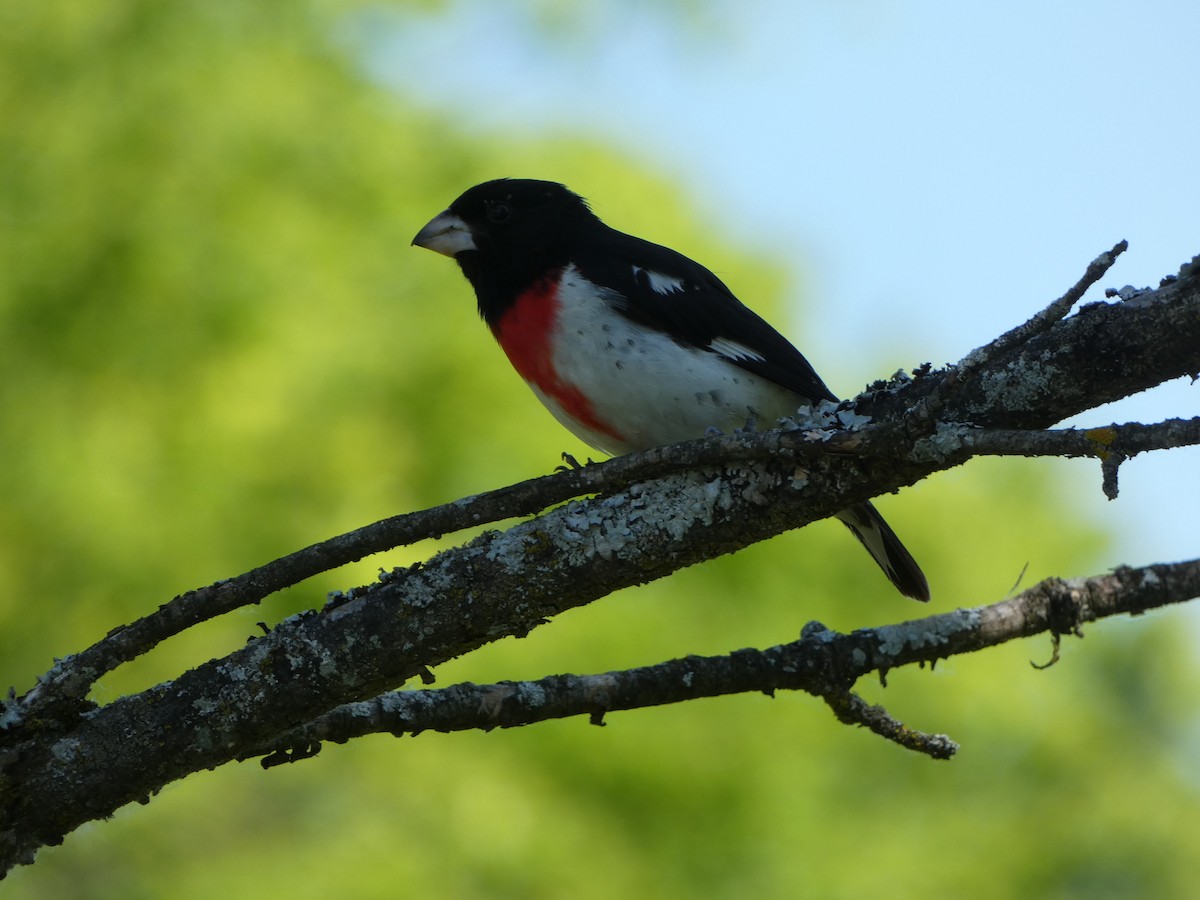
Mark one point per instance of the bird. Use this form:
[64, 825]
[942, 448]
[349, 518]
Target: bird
[629, 344]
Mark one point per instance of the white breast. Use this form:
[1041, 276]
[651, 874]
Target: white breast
[650, 389]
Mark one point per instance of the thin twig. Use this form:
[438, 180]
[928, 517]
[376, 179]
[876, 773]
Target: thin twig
[1043, 320]
[923, 414]
[1126, 440]
[851, 709]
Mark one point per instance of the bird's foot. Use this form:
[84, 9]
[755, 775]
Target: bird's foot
[571, 463]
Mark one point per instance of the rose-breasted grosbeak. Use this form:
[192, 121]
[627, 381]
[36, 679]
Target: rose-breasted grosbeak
[629, 344]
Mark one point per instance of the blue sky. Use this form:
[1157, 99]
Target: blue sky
[932, 172]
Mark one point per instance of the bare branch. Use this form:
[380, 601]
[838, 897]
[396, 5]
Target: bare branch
[1094, 357]
[1111, 444]
[928, 409]
[823, 663]
[74, 675]
[1043, 320]
[1127, 440]
[851, 709]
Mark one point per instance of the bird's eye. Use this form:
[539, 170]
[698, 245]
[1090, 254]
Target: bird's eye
[499, 212]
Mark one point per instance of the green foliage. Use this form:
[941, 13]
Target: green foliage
[217, 346]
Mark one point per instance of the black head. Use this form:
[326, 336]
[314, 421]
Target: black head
[507, 234]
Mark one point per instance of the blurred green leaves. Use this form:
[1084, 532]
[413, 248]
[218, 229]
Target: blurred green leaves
[216, 346]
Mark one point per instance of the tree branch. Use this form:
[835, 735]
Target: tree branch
[930, 407]
[73, 676]
[1015, 360]
[823, 663]
[64, 762]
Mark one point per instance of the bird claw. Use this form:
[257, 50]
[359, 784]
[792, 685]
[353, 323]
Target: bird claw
[571, 463]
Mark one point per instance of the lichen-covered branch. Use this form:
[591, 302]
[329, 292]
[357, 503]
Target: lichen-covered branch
[822, 663]
[64, 761]
[1033, 376]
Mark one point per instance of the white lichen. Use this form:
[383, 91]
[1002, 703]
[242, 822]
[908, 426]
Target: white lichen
[946, 440]
[933, 632]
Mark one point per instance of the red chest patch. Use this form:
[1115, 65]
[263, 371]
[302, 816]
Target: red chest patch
[526, 333]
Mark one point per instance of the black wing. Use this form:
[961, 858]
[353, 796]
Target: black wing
[664, 290]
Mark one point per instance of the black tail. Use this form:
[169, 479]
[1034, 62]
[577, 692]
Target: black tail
[885, 548]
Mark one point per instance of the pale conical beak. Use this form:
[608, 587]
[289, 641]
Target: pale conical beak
[446, 233]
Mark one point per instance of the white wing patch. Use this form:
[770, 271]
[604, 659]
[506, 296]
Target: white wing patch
[659, 283]
[733, 350]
